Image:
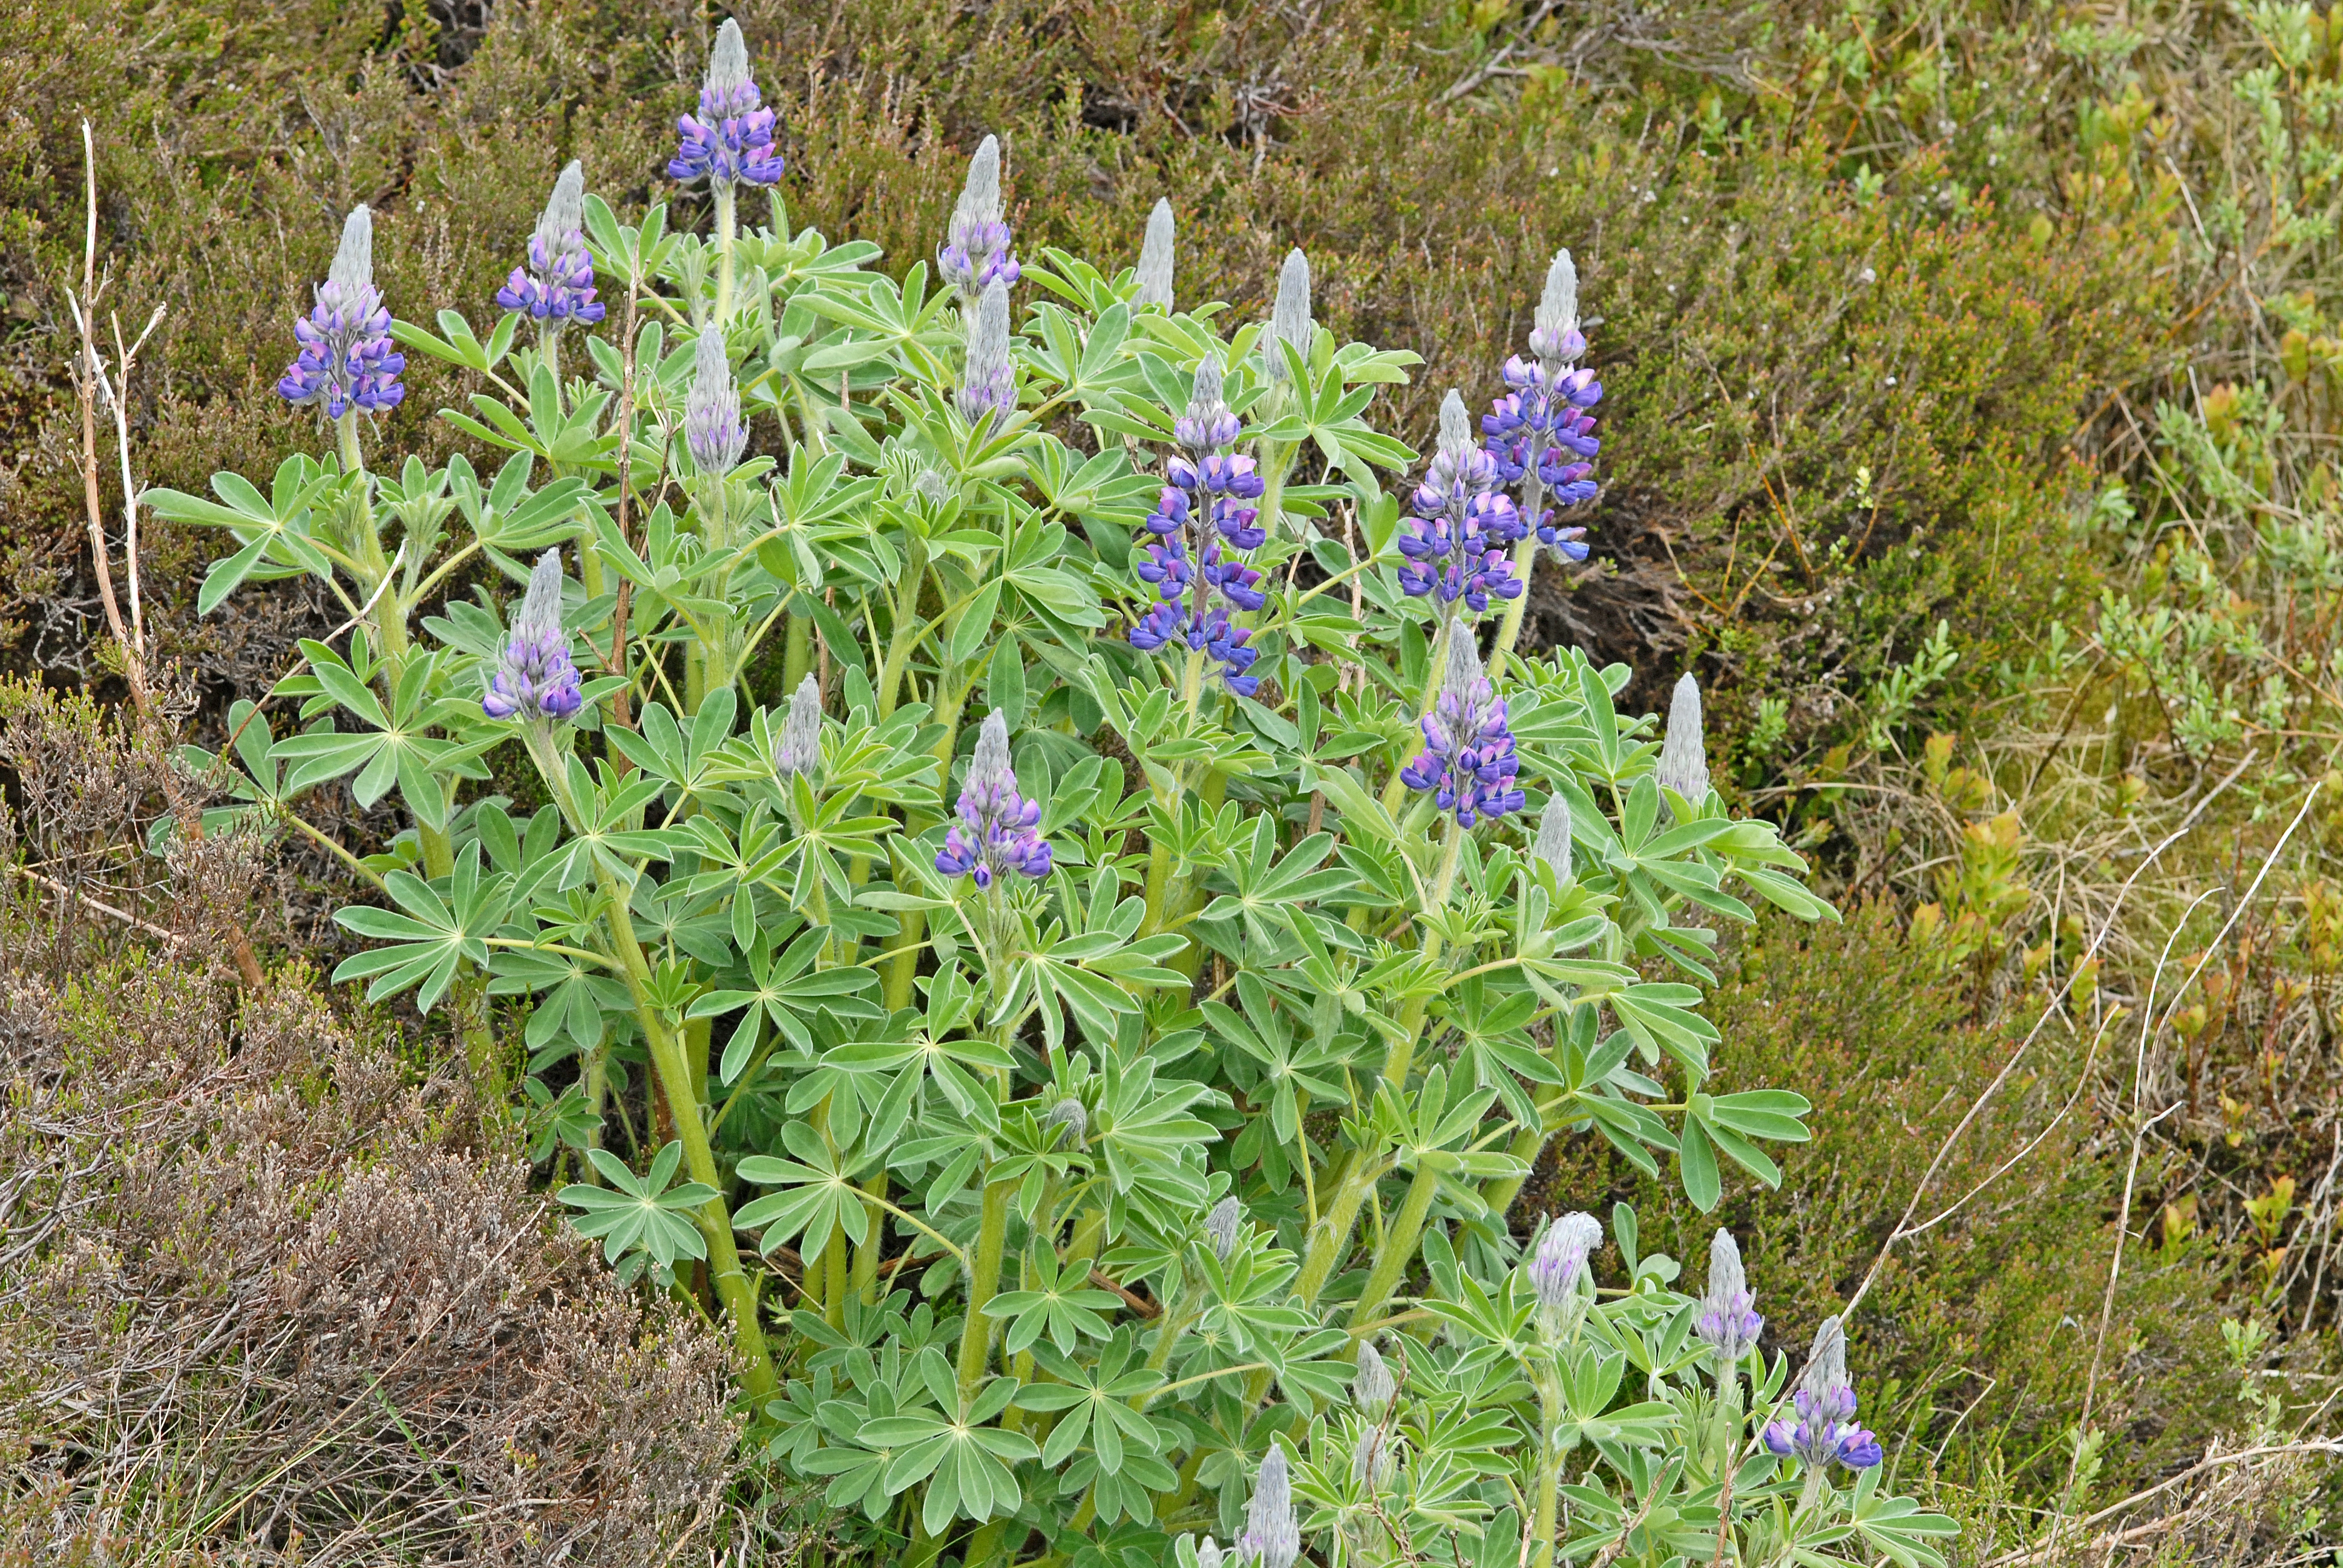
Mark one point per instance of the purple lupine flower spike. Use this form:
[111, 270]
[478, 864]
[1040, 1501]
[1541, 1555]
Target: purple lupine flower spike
[713, 431]
[557, 283]
[534, 680]
[989, 381]
[1468, 760]
[1826, 1430]
[1273, 1535]
[1728, 1321]
[346, 360]
[730, 140]
[1540, 431]
[1455, 544]
[975, 254]
[1196, 576]
[998, 830]
[1154, 273]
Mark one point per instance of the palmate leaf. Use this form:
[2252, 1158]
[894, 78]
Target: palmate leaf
[640, 1213]
[430, 932]
[819, 1197]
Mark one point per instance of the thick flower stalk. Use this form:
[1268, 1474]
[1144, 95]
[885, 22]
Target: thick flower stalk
[1154, 273]
[1455, 544]
[1539, 434]
[1202, 519]
[730, 141]
[713, 430]
[1273, 1535]
[535, 678]
[988, 384]
[346, 361]
[975, 254]
[1684, 752]
[1468, 763]
[1825, 1429]
[997, 832]
[557, 282]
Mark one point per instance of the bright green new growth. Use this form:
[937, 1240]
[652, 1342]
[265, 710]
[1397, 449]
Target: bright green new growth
[1039, 1210]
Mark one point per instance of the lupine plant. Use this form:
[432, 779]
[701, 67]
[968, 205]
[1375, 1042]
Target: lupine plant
[1023, 887]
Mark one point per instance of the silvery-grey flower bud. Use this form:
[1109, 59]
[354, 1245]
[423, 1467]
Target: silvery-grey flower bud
[727, 62]
[713, 430]
[1552, 844]
[1273, 1535]
[1155, 258]
[1069, 1113]
[979, 194]
[1222, 1225]
[799, 750]
[1373, 1461]
[565, 211]
[1462, 678]
[1208, 1554]
[1683, 753]
[1561, 1258]
[353, 267]
[1373, 1386]
[1456, 438]
[1555, 336]
[989, 769]
[1288, 320]
[1728, 1321]
[989, 383]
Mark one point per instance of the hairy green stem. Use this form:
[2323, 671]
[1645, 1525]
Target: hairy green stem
[984, 1279]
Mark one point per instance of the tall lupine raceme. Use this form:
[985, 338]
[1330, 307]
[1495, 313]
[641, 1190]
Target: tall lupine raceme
[1456, 542]
[346, 363]
[1200, 520]
[1728, 1323]
[556, 285]
[1551, 844]
[1824, 1431]
[995, 834]
[1539, 434]
[797, 750]
[976, 252]
[536, 681]
[1273, 1535]
[1469, 761]
[1290, 321]
[713, 430]
[730, 141]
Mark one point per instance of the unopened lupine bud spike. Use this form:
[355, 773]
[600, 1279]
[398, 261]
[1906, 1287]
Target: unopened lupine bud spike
[1684, 752]
[989, 767]
[1371, 1463]
[1208, 1554]
[540, 607]
[980, 196]
[1205, 400]
[1373, 1386]
[1455, 423]
[728, 59]
[989, 381]
[1554, 336]
[1288, 319]
[1222, 1226]
[1155, 258]
[1463, 675]
[1728, 1321]
[565, 210]
[713, 430]
[1069, 1114]
[353, 267]
[1552, 844]
[1561, 1259]
[1273, 1536]
[799, 750]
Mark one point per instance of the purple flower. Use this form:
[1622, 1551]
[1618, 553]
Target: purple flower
[1468, 761]
[1198, 580]
[1728, 1321]
[346, 360]
[713, 431]
[1273, 1536]
[558, 284]
[975, 253]
[996, 833]
[535, 680]
[989, 382]
[1540, 430]
[730, 140]
[1455, 543]
[1826, 1430]
[1561, 1258]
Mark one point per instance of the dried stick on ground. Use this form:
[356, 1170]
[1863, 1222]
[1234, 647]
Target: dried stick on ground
[97, 389]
